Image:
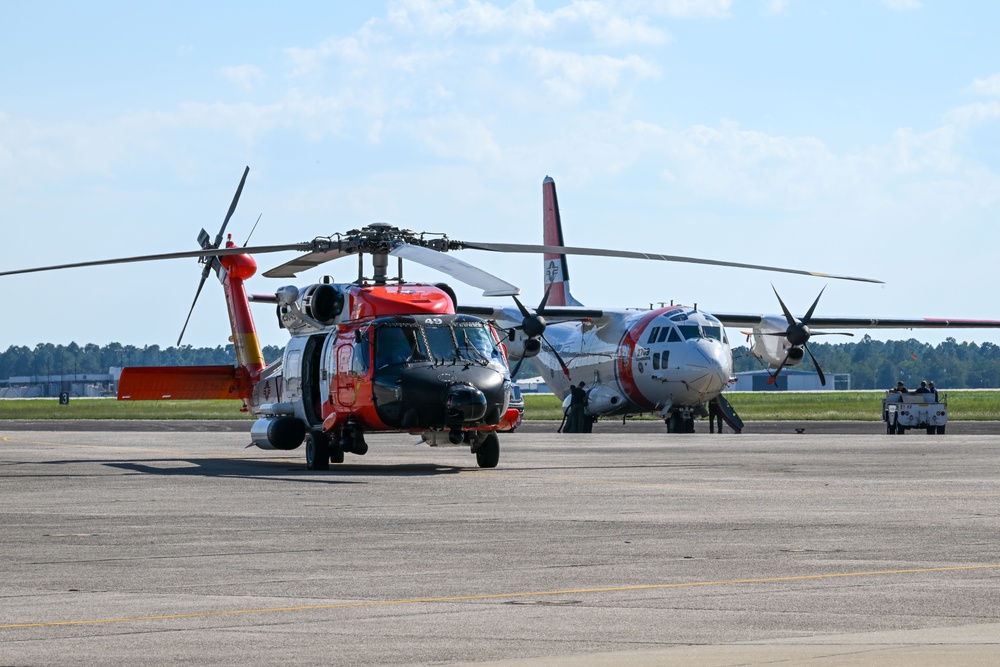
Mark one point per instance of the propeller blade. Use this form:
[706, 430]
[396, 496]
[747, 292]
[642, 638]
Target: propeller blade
[456, 268]
[830, 333]
[545, 298]
[205, 252]
[599, 252]
[513, 373]
[774, 376]
[788, 314]
[201, 283]
[809, 313]
[562, 364]
[819, 371]
[520, 306]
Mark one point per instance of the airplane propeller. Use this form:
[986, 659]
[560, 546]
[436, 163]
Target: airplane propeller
[203, 240]
[798, 335]
[533, 325]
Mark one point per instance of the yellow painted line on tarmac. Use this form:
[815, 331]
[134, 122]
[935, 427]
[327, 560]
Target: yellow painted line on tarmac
[735, 489]
[500, 596]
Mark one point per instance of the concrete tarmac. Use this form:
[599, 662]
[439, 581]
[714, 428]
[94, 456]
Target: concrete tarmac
[152, 547]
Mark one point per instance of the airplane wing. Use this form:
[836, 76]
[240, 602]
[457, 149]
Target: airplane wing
[748, 320]
[508, 317]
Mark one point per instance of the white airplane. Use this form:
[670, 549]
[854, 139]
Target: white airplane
[672, 360]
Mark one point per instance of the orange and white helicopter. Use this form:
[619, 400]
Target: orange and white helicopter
[672, 360]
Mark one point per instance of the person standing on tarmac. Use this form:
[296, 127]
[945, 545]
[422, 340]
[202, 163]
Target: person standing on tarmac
[577, 404]
[714, 413]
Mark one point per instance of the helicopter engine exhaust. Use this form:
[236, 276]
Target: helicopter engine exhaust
[282, 433]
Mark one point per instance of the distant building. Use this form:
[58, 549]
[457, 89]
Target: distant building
[50, 386]
[790, 380]
[535, 385]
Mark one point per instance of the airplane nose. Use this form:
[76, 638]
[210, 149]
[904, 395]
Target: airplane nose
[710, 365]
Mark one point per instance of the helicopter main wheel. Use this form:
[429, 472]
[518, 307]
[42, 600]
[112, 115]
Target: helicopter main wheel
[488, 452]
[318, 451]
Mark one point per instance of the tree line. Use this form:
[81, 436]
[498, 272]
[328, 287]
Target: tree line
[73, 359]
[873, 364]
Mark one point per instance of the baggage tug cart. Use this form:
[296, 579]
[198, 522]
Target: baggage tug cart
[901, 412]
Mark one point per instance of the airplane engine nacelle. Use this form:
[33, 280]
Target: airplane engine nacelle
[603, 399]
[282, 433]
[773, 349]
[519, 345]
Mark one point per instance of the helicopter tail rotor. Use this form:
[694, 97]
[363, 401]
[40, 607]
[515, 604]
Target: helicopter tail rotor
[205, 241]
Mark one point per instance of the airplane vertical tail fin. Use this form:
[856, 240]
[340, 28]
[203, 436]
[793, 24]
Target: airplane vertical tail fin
[556, 267]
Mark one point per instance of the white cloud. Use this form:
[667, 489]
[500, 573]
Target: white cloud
[902, 5]
[682, 9]
[244, 76]
[569, 76]
[776, 6]
[971, 115]
[988, 86]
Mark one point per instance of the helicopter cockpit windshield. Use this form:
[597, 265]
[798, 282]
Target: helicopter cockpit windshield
[440, 342]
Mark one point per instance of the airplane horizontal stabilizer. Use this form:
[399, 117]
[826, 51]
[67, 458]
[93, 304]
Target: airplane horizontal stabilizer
[155, 383]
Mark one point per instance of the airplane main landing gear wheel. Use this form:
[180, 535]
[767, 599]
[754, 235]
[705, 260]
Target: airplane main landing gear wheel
[488, 452]
[317, 451]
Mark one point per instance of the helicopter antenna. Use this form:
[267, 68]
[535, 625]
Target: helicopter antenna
[247, 242]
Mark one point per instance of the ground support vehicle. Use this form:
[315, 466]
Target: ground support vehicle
[901, 412]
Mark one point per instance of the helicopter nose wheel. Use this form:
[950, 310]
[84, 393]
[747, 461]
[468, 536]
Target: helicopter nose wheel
[318, 450]
[488, 451]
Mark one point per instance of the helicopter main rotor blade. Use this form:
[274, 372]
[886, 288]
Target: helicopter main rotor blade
[456, 268]
[292, 268]
[599, 252]
[210, 252]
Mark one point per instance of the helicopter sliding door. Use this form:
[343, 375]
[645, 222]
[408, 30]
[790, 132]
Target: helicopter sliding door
[312, 390]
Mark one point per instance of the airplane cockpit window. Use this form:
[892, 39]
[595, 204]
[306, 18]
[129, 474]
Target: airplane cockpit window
[674, 336]
[690, 331]
[715, 333]
[652, 335]
[679, 317]
[663, 334]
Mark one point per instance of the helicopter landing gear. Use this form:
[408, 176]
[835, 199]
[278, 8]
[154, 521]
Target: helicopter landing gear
[352, 439]
[318, 450]
[488, 451]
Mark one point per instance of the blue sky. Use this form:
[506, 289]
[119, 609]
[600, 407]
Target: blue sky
[857, 137]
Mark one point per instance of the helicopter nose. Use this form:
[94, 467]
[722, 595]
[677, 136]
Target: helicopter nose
[465, 403]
